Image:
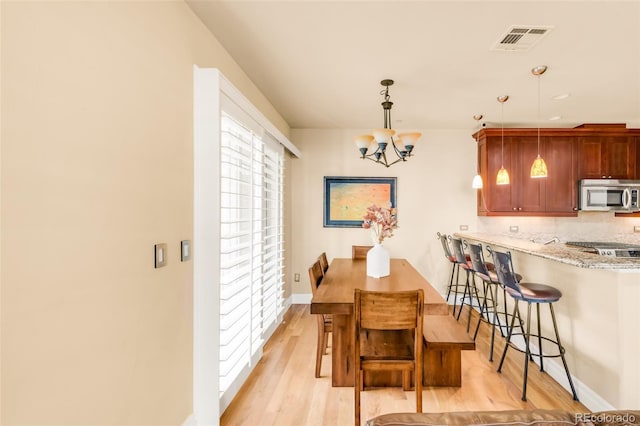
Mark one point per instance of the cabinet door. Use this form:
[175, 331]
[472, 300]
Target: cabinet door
[619, 158]
[531, 192]
[499, 198]
[607, 157]
[561, 185]
[590, 158]
[482, 160]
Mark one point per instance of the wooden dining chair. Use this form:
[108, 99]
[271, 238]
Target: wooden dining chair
[324, 263]
[360, 252]
[388, 336]
[325, 321]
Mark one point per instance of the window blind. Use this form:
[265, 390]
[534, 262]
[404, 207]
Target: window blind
[251, 244]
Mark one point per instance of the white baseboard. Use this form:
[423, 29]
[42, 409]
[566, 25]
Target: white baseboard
[301, 298]
[190, 421]
[588, 397]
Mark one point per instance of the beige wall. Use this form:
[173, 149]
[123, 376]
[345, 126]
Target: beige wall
[434, 194]
[97, 167]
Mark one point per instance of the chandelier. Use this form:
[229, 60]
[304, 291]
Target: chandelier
[375, 147]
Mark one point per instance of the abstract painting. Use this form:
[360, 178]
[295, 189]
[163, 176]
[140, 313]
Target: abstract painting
[346, 198]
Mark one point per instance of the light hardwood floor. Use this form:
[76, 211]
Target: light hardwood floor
[282, 390]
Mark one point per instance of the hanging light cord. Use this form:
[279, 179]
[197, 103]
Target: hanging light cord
[502, 133]
[538, 115]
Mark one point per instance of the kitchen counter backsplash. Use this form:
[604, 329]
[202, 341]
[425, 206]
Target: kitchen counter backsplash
[552, 247]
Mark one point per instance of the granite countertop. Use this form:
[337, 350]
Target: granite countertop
[558, 250]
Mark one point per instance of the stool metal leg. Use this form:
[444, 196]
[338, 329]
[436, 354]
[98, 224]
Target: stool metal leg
[449, 288]
[464, 296]
[477, 296]
[527, 353]
[455, 268]
[540, 338]
[509, 332]
[564, 361]
[489, 295]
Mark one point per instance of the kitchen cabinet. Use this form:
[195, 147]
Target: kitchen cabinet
[589, 151]
[561, 156]
[607, 157]
[637, 138]
[555, 195]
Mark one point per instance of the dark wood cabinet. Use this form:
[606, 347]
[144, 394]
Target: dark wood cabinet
[607, 157]
[525, 196]
[561, 156]
[589, 151]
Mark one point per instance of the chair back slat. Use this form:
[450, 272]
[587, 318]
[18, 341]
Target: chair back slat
[315, 276]
[445, 245]
[458, 250]
[324, 263]
[504, 270]
[389, 310]
[360, 252]
[477, 258]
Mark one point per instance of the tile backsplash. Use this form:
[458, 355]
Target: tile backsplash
[593, 226]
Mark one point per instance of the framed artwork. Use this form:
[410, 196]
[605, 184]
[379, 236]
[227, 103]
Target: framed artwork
[346, 198]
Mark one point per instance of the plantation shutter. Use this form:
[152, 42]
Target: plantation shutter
[251, 243]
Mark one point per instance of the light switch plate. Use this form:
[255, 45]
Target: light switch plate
[513, 228]
[160, 255]
[185, 250]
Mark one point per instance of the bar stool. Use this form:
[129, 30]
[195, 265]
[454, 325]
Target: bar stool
[470, 288]
[490, 303]
[454, 286]
[531, 293]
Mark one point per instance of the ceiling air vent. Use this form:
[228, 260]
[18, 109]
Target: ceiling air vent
[520, 38]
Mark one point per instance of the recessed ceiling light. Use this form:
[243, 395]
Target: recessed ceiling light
[555, 118]
[561, 96]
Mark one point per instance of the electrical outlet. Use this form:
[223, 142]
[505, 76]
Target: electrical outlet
[636, 228]
[464, 227]
[296, 277]
[513, 228]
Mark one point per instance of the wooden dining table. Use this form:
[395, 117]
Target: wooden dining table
[335, 296]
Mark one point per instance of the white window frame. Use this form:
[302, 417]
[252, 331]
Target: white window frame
[209, 85]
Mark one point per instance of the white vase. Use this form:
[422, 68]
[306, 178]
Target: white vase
[378, 261]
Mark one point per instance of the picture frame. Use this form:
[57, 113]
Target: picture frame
[346, 199]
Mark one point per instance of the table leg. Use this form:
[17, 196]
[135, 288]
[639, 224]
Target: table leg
[342, 363]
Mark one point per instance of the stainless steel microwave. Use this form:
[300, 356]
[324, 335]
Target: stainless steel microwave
[609, 195]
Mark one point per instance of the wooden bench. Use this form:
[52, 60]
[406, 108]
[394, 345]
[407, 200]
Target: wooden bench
[444, 339]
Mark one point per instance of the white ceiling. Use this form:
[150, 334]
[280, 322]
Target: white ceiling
[320, 63]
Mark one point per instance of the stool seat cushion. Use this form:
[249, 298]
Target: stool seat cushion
[493, 277]
[536, 293]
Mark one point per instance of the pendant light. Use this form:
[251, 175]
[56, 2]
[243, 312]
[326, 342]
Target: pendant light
[539, 167]
[503, 174]
[477, 179]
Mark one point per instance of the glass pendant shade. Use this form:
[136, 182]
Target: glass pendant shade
[539, 168]
[383, 135]
[503, 177]
[409, 139]
[477, 182]
[363, 141]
